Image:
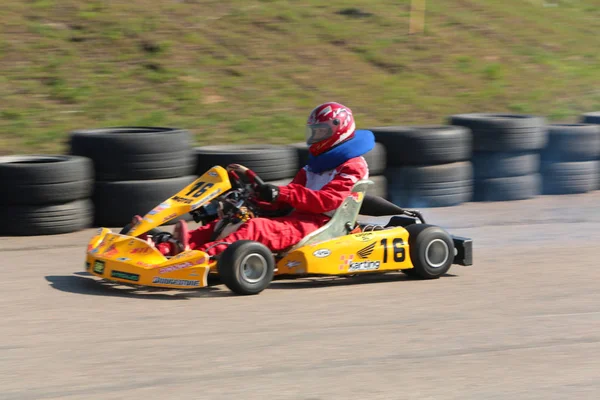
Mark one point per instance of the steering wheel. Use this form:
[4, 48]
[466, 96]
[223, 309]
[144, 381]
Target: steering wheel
[236, 171]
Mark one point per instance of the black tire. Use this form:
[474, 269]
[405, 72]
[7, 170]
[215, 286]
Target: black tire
[591, 118]
[117, 202]
[572, 142]
[302, 153]
[270, 162]
[570, 177]
[424, 145]
[40, 179]
[376, 158]
[136, 153]
[488, 165]
[34, 220]
[431, 251]
[508, 189]
[430, 186]
[504, 132]
[231, 269]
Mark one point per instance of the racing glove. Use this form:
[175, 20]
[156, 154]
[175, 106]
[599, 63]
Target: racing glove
[267, 192]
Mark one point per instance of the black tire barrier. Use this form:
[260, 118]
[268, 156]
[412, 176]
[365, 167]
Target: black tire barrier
[572, 142]
[117, 202]
[570, 177]
[424, 145]
[135, 153]
[505, 150]
[509, 188]
[45, 194]
[379, 187]
[590, 118]
[569, 161]
[136, 169]
[45, 179]
[441, 185]
[376, 158]
[488, 165]
[504, 132]
[270, 162]
[48, 219]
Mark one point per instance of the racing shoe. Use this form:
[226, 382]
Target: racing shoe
[181, 234]
[136, 220]
[172, 244]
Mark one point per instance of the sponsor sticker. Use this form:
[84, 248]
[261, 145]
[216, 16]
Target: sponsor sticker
[99, 267]
[125, 275]
[143, 264]
[141, 250]
[364, 266]
[345, 261]
[212, 173]
[159, 208]
[365, 252]
[112, 250]
[123, 259]
[363, 237]
[168, 217]
[179, 282]
[177, 267]
[292, 264]
[322, 253]
[182, 200]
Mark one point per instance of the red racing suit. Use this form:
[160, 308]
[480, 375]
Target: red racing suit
[314, 198]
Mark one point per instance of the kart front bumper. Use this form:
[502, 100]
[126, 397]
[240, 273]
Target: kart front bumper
[463, 250]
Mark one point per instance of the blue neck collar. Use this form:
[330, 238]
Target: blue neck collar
[362, 142]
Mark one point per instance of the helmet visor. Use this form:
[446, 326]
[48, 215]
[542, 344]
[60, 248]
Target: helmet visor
[318, 132]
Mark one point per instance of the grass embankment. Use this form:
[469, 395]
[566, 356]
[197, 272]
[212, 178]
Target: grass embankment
[250, 71]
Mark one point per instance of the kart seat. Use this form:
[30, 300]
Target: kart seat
[343, 220]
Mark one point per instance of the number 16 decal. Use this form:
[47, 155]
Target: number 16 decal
[199, 189]
[397, 246]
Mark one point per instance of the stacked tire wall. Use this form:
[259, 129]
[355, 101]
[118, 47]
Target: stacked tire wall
[136, 169]
[506, 160]
[114, 173]
[427, 166]
[44, 195]
[570, 160]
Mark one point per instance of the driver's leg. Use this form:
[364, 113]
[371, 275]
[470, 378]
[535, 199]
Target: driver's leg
[192, 239]
[277, 234]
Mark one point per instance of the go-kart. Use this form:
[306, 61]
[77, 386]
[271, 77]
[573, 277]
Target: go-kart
[341, 247]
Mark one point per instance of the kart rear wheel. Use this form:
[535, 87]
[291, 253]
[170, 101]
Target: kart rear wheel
[431, 251]
[246, 267]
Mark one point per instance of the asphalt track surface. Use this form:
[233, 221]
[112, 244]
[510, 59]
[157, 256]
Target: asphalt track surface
[522, 323]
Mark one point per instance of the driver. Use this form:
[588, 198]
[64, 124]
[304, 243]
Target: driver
[335, 164]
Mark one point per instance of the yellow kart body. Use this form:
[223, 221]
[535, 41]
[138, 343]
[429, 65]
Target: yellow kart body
[127, 259]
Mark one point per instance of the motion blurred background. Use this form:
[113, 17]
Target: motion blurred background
[251, 71]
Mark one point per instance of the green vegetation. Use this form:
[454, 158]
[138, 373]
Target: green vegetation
[250, 71]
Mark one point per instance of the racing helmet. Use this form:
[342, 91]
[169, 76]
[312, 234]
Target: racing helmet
[329, 125]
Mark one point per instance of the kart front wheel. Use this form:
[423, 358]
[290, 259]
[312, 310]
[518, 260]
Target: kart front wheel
[246, 267]
[431, 251]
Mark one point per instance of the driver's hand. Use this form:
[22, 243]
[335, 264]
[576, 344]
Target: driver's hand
[267, 192]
